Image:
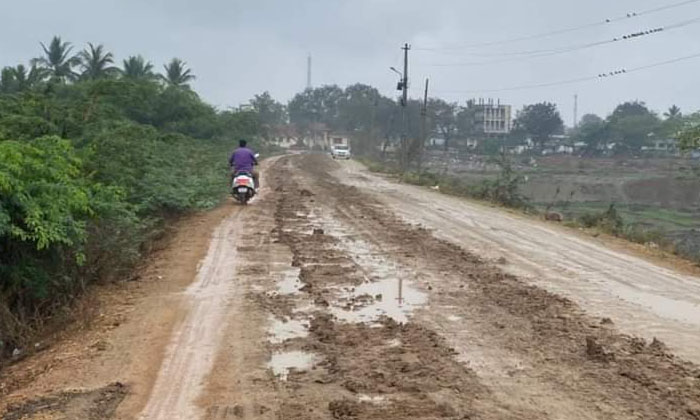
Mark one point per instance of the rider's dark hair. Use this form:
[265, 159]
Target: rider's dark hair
[242, 143]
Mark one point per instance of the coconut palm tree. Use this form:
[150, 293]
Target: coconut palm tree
[18, 79]
[96, 63]
[28, 79]
[58, 61]
[8, 83]
[136, 68]
[177, 73]
[673, 113]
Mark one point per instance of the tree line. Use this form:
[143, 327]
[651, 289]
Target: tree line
[375, 121]
[59, 64]
[632, 126]
[93, 160]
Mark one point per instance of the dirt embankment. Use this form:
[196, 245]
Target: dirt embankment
[108, 367]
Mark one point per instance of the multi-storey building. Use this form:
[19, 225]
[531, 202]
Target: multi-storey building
[493, 117]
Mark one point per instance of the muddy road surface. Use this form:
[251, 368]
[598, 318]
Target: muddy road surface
[642, 298]
[340, 295]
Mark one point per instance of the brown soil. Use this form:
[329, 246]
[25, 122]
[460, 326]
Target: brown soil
[126, 339]
[294, 314]
[92, 405]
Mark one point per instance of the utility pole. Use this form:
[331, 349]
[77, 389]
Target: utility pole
[404, 104]
[423, 126]
[575, 110]
[308, 72]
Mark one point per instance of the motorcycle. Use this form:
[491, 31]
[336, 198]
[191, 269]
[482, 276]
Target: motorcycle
[243, 187]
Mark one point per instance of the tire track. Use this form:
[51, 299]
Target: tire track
[195, 342]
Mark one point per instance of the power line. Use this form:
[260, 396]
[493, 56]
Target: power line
[525, 55]
[581, 79]
[630, 15]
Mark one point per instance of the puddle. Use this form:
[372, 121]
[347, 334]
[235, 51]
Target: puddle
[394, 343]
[371, 398]
[387, 290]
[391, 297]
[454, 318]
[281, 331]
[289, 283]
[282, 363]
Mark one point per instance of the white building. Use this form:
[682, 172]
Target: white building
[494, 117]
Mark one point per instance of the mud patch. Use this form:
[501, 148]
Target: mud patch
[372, 361]
[96, 404]
[612, 371]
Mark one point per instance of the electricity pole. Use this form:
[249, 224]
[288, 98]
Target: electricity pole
[308, 72]
[404, 104]
[423, 126]
[575, 111]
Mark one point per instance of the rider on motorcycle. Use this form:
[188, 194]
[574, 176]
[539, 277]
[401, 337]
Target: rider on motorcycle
[243, 160]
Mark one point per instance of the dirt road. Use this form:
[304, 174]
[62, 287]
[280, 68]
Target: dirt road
[340, 295]
[642, 298]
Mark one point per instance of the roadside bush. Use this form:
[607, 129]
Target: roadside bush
[45, 206]
[505, 189]
[608, 221]
[89, 173]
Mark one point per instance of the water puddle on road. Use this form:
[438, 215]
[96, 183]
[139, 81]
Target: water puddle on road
[283, 330]
[374, 399]
[387, 290]
[289, 283]
[369, 301]
[284, 362]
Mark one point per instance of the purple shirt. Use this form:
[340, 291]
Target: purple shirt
[242, 160]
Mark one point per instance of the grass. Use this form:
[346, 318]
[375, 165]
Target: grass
[634, 214]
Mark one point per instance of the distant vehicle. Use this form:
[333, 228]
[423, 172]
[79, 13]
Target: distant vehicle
[340, 151]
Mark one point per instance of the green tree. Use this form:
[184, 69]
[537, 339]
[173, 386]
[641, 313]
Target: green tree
[358, 107]
[96, 63]
[58, 61]
[631, 126]
[177, 74]
[31, 79]
[689, 139]
[467, 121]
[592, 131]
[674, 112]
[137, 68]
[270, 112]
[540, 121]
[8, 82]
[689, 134]
[443, 119]
[316, 107]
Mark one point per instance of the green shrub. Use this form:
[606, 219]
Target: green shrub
[608, 221]
[89, 173]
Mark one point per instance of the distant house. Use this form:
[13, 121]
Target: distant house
[519, 149]
[492, 117]
[286, 136]
[436, 142]
[662, 145]
[558, 144]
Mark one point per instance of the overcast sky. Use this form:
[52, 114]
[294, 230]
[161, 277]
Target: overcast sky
[240, 48]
